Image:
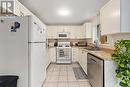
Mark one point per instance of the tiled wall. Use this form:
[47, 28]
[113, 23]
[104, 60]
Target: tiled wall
[116, 37]
[113, 38]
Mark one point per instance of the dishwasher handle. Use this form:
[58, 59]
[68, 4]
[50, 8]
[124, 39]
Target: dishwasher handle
[93, 60]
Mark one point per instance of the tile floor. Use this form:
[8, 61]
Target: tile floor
[63, 76]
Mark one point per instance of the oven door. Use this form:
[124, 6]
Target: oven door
[64, 55]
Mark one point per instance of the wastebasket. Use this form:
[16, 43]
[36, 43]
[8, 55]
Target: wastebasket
[8, 81]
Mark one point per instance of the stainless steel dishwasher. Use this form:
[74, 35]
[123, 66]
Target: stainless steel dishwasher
[95, 71]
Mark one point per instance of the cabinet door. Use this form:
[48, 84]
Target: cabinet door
[88, 30]
[16, 7]
[85, 61]
[23, 10]
[75, 53]
[20, 10]
[125, 16]
[110, 18]
[52, 54]
[80, 56]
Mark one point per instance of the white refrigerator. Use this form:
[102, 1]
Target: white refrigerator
[23, 50]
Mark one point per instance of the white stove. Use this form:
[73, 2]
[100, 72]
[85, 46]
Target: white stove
[64, 52]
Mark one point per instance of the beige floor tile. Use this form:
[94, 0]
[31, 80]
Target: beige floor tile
[73, 84]
[69, 66]
[71, 78]
[52, 79]
[63, 79]
[63, 69]
[56, 69]
[50, 84]
[84, 84]
[75, 65]
[62, 84]
[55, 73]
[63, 76]
[70, 69]
[82, 80]
[50, 69]
[71, 73]
[63, 73]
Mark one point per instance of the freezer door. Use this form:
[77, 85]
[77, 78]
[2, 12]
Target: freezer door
[38, 64]
[14, 48]
[37, 33]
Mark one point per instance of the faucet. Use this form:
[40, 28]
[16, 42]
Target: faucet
[96, 47]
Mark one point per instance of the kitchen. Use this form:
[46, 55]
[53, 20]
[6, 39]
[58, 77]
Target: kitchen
[64, 44]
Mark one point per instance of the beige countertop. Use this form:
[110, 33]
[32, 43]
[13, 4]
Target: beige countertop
[101, 54]
[105, 54]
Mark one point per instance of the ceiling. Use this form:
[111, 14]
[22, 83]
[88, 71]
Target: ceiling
[80, 10]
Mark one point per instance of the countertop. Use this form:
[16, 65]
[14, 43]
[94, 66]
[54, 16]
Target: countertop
[104, 54]
[101, 54]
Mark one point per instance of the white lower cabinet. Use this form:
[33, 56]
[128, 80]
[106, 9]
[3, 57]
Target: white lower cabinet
[52, 54]
[75, 54]
[110, 79]
[83, 59]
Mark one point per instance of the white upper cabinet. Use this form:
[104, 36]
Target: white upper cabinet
[74, 32]
[20, 10]
[16, 7]
[115, 17]
[87, 30]
[24, 11]
[125, 16]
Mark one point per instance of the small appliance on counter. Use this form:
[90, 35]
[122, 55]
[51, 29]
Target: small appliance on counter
[55, 44]
[64, 52]
[82, 44]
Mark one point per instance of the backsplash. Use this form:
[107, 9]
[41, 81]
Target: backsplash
[120, 36]
[73, 41]
[113, 38]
